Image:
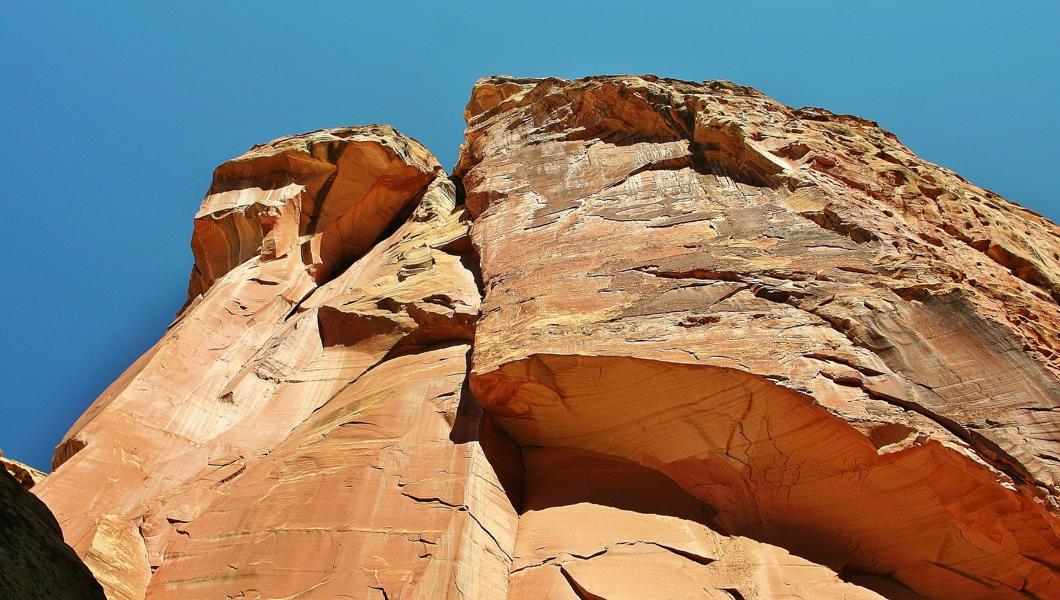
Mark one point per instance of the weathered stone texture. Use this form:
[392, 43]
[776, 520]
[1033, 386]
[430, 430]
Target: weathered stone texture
[655, 339]
[837, 347]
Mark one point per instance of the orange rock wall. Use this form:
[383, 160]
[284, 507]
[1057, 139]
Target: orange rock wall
[836, 347]
[655, 339]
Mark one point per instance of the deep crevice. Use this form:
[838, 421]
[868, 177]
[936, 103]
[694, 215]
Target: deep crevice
[458, 185]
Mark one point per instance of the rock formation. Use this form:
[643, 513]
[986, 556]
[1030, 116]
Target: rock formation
[34, 561]
[653, 339]
[25, 475]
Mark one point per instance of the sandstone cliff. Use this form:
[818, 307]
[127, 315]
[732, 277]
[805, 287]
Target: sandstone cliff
[654, 339]
[34, 561]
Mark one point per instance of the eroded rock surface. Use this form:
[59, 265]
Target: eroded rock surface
[835, 346]
[656, 339]
[196, 472]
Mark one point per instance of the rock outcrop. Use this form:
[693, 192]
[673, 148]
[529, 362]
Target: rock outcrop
[25, 475]
[836, 346]
[34, 561]
[654, 339]
[289, 434]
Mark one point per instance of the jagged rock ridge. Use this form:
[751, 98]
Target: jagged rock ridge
[654, 339]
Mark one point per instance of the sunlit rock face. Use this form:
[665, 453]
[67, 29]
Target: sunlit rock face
[654, 339]
[832, 345]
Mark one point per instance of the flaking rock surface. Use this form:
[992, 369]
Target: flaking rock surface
[654, 339]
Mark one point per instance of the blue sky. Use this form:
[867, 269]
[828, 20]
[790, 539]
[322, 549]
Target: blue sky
[114, 114]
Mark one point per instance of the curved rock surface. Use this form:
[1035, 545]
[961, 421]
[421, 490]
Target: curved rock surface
[835, 346]
[655, 339]
[34, 561]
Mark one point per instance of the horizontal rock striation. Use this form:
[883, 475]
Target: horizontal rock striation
[654, 339]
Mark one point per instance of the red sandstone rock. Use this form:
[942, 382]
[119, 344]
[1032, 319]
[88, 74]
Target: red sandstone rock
[835, 346]
[275, 335]
[25, 475]
[34, 561]
[682, 341]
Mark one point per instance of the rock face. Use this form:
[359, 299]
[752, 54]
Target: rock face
[25, 475]
[34, 561]
[655, 339]
[299, 430]
[837, 347]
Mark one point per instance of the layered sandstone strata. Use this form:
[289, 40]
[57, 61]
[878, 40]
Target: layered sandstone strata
[679, 341]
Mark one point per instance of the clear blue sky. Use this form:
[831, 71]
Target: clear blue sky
[114, 114]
